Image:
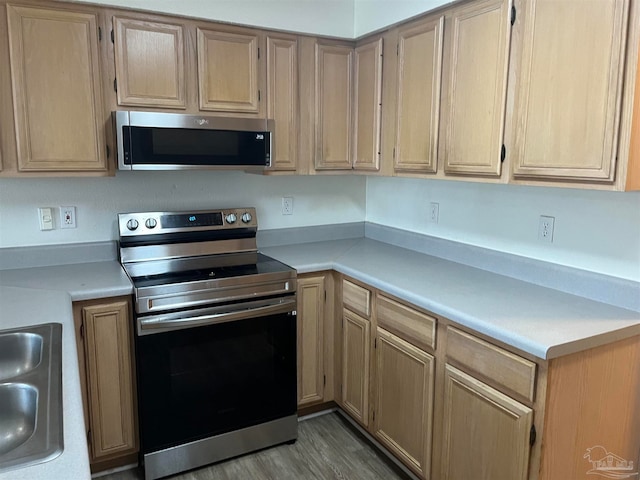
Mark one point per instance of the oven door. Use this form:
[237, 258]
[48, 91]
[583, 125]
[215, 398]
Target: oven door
[206, 372]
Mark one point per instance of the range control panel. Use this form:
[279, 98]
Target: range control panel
[153, 223]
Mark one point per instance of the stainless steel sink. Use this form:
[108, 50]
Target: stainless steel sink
[30, 395]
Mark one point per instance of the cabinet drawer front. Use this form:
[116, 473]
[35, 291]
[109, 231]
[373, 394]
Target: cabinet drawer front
[356, 298]
[511, 371]
[413, 326]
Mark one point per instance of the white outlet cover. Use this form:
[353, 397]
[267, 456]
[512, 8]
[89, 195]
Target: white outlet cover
[545, 228]
[68, 217]
[434, 212]
[287, 205]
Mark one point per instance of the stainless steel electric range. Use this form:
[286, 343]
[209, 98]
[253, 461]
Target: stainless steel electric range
[215, 337]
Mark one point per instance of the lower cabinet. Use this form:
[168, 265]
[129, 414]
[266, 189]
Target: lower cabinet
[484, 431]
[311, 378]
[356, 346]
[105, 347]
[403, 403]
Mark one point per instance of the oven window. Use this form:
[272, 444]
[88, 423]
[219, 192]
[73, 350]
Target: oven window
[204, 381]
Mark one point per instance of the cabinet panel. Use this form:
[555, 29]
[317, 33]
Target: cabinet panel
[356, 298]
[367, 87]
[569, 89]
[109, 371]
[333, 103]
[228, 71]
[57, 94]
[476, 83]
[282, 97]
[409, 323]
[356, 345]
[150, 63]
[404, 400]
[310, 340]
[418, 96]
[485, 433]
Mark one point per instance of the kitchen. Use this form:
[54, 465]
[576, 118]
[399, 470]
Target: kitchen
[498, 218]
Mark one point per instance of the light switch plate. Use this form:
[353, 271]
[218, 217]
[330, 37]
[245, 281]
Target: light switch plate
[45, 218]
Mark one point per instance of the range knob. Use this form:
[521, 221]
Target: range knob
[246, 217]
[132, 224]
[151, 223]
[231, 218]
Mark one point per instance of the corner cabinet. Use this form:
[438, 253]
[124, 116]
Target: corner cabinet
[150, 63]
[419, 71]
[475, 85]
[105, 353]
[569, 89]
[58, 105]
[229, 70]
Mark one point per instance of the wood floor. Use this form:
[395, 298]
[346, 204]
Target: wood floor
[327, 448]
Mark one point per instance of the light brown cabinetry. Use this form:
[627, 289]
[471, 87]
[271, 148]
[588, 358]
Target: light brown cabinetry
[229, 71]
[56, 79]
[568, 89]
[403, 402]
[356, 347]
[311, 324]
[333, 107]
[367, 90]
[104, 337]
[419, 71]
[476, 88]
[150, 63]
[485, 434]
[282, 99]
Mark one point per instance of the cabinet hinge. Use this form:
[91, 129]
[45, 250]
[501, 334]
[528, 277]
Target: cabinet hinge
[532, 435]
[503, 153]
[324, 380]
[374, 415]
[394, 152]
[325, 295]
[113, 39]
[513, 14]
[397, 49]
[89, 436]
[82, 330]
[258, 95]
[258, 53]
[99, 34]
[108, 151]
[115, 85]
[375, 342]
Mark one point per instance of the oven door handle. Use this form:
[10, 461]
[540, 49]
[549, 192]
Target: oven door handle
[166, 322]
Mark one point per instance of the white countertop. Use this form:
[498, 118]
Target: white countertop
[21, 307]
[37, 295]
[537, 320]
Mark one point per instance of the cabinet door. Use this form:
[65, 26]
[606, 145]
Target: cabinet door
[57, 94]
[476, 84]
[367, 88]
[150, 67]
[310, 340]
[333, 107]
[282, 100]
[486, 433]
[228, 71]
[355, 366]
[109, 373]
[403, 408]
[569, 89]
[418, 96]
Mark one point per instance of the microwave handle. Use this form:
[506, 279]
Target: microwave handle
[163, 323]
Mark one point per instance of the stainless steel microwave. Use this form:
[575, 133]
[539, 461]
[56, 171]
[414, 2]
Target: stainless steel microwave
[170, 141]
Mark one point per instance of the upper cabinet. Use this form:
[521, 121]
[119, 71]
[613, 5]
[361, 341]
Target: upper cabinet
[282, 99]
[476, 88]
[568, 89]
[228, 71]
[419, 70]
[58, 108]
[333, 106]
[367, 90]
[150, 63]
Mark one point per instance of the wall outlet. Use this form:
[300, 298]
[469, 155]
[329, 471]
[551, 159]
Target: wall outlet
[45, 218]
[67, 217]
[287, 205]
[545, 228]
[434, 212]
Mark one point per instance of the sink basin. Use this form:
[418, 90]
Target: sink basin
[30, 395]
[19, 353]
[18, 407]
